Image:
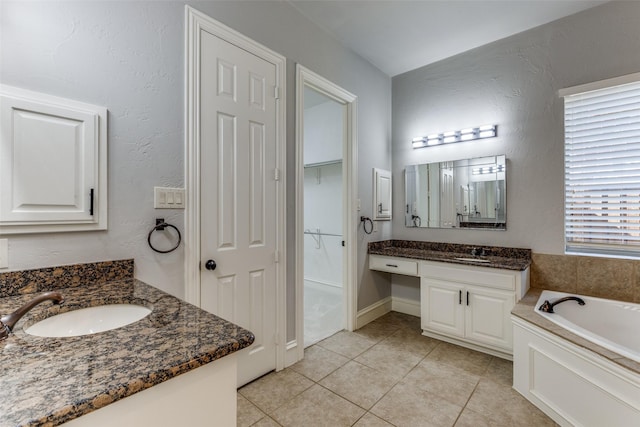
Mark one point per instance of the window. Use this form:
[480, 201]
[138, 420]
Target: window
[602, 167]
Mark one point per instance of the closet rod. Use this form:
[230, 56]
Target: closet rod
[322, 234]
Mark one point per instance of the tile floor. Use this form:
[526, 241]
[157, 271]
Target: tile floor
[388, 374]
[322, 311]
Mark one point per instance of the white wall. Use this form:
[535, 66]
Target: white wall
[323, 130]
[513, 83]
[129, 56]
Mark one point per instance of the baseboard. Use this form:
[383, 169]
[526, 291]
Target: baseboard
[372, 312]
[406, 306]
[503, 354]
[292, 353]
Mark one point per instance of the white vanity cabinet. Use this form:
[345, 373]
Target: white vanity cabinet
[200, 397]
[470, 306]
[463, 304]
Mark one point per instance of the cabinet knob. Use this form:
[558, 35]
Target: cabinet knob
[210, 265]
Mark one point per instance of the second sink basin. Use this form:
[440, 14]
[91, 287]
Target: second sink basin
[87, 321]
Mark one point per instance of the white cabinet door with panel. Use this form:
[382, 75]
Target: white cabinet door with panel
[469, 312]
[53, 163]
[381, 194]
[442, 308]
[487, 319]
[470, 306]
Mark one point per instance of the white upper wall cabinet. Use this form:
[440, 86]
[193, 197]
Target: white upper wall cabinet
[381, 194]
[53, 164]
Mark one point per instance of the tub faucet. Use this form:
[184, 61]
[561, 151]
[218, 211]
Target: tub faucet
[547, 306]
[9, 321]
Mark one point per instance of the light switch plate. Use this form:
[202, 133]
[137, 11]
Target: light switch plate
[4, 253]
[168, 198]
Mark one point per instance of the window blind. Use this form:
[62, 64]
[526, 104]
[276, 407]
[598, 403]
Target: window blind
[602, 170]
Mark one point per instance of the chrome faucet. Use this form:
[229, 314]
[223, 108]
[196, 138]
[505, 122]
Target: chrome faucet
[9, 321]
[547, 306]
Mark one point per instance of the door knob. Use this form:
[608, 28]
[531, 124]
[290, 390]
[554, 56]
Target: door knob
[210, 265]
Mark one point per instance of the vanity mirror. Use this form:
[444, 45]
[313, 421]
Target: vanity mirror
[469, 193]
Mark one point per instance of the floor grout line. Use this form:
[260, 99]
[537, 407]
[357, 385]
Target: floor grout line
[385, 334]
[467, 402]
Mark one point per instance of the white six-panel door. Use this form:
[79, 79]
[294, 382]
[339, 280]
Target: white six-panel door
[447, 204]
[238, 196]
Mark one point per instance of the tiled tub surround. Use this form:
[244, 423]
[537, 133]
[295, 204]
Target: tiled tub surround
[48, 381]
[610, 278]
[498, 257]
[539, 342]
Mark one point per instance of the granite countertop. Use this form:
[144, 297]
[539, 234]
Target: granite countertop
[524, 309]
[48, 381]
[498, 257]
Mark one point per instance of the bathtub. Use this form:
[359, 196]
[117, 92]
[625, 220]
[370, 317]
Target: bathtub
[572, 382]
[610, 324]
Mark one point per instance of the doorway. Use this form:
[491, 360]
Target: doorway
[326, 209]
[323, 144]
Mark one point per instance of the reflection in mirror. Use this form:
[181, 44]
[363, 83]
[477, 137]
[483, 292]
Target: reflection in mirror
[468, 193]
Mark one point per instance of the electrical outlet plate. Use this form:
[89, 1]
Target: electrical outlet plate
[168, 198]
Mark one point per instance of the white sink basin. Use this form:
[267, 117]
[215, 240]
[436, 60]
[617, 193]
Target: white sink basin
[473, 259]
[87, 321]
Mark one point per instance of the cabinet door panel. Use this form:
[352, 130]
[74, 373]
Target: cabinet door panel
[381, 194]
[441, 307]
[487, 318]
[53, 163]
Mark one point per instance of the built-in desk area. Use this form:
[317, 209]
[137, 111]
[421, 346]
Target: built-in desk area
[466, 292]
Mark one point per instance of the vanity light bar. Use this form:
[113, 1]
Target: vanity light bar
[488, 169]
[469, 134]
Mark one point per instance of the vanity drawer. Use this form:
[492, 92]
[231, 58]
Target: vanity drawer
[480, 276]
[393, 265]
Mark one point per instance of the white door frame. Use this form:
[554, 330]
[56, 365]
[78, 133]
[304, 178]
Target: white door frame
[195, 22]
[306, 77]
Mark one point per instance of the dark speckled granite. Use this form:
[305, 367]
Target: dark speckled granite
[65, 276]
[48, 381]
[499, 257]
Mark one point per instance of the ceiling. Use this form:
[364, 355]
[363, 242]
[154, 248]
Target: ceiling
[400, 35]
